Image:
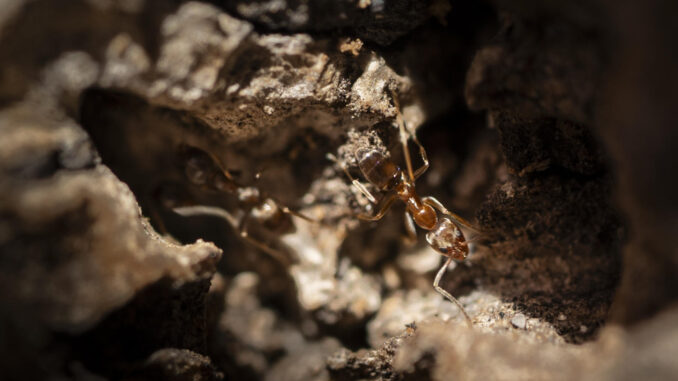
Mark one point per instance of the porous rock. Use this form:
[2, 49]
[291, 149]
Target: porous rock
[178, 365]
[75, 247]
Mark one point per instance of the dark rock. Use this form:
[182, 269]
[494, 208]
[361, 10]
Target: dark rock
[177, 365]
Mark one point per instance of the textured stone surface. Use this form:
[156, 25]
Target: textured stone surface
[375, 21]
[177, 364]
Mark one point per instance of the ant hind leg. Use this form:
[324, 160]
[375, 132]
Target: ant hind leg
[432, 201]
[277, 255]
[441, 291]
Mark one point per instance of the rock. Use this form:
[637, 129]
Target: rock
[373, 20]
[249, 334]
[568, 186]
[439, 351]
[413, 307]
[179, 365]
[519, 321]
[373, 364]
[308, 362]
[531, 67]
[638, 136]
[243, 84]
[75, 247]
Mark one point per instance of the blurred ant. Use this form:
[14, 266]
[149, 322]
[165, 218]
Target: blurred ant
[204, 170]
[444, 234]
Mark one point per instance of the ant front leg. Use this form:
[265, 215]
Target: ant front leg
[411, 238]
[386, 205]
[432, 201]
[291, 212]
[421, 170]
[355, 182]
[206, 210]
[441, 291]
[405, 135]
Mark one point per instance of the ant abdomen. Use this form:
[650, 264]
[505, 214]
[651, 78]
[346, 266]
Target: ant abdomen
[378, 169]
[448, 239]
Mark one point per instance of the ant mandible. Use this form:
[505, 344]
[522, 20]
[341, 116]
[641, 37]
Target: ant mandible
[444, 234]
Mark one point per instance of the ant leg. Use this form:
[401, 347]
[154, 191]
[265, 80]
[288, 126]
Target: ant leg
[421, 170]
[404, 137]
[160, 224]
[206, 210]
[222, 168]
[386, 206]
[355, 182]
[244, 234]
[436, 286]
[364, 191]
[432, 201]
[296, 214]
[411, 237]
[291, 212]
[406, 134]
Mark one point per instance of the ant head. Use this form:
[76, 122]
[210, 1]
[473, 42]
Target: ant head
[195, 162]
[448, 240]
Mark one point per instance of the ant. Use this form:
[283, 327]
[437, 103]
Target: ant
[206, 171]
[444, 233]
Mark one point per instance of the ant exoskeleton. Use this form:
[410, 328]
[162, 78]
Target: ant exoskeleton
[444, 234]
[205, 170]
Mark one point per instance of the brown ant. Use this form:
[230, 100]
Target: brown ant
[444, 234]
[205, 171]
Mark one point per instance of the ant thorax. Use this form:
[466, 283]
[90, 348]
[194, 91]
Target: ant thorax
[265, 210]
[448, 239]
[271, 216]
[249, 195]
